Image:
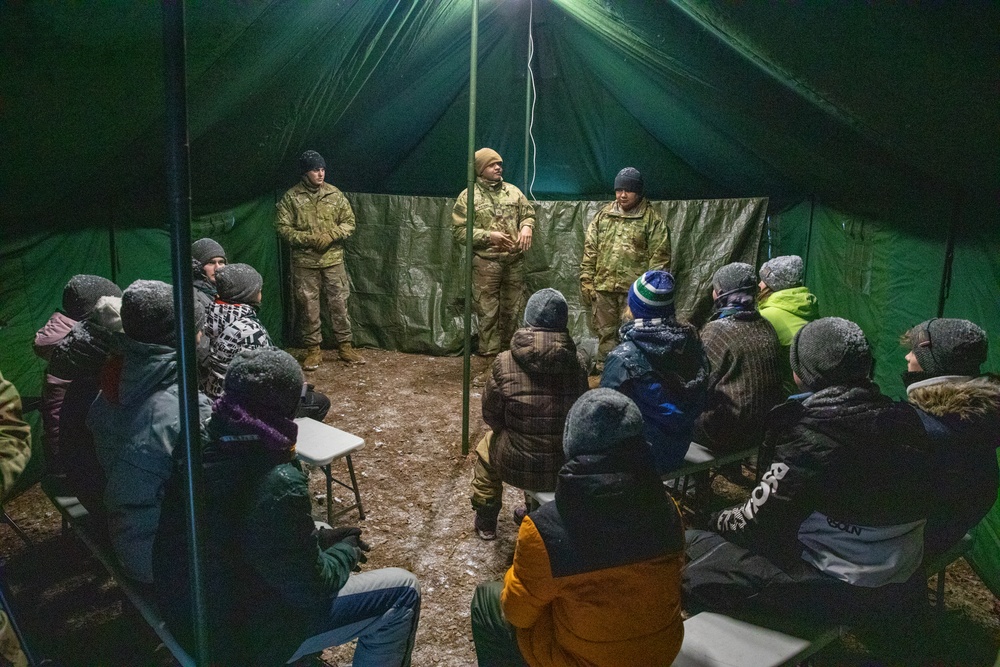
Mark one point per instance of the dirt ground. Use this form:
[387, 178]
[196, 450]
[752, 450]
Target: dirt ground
[414, 483]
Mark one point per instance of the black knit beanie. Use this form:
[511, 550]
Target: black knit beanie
[311, 160]
[547, 309]
[265, 379]
[735, 277]
[148, 312]
[238, 283]
[204, 250]
[830, 351]
[949, 346]
[783, 272]
[630, 180]
[600, 421]
[82, 292]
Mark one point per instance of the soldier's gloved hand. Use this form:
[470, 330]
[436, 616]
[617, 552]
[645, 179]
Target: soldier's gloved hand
[329, 536]
[588, 293]
[360, 549]
[323, 241]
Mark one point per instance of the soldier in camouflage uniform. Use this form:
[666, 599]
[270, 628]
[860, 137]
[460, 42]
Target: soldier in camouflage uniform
[501, 233]
[314, 218]
[625, 239]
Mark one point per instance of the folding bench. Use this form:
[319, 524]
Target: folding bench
[320, 444]
[716, 640]
[75, 516]
[700, 459]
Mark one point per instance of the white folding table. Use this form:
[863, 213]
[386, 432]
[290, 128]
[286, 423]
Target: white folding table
[320, 445]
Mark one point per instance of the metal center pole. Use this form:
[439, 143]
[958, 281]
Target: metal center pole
[470, 213]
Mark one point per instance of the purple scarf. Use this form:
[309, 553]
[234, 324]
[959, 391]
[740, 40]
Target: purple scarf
[276, 433]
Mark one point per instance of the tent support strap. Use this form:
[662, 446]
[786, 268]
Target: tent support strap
[949, 253]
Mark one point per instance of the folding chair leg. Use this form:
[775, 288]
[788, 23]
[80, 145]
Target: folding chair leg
[17, 529]
[354, 484]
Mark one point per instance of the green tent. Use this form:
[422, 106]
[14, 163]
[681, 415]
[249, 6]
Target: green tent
[861, 136]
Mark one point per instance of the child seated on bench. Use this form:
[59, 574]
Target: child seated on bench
[275, 588]
[834, 532]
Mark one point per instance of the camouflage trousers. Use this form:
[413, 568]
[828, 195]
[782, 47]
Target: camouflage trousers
[313, 288]
[487, 488]
[608, 310]
[498, 298]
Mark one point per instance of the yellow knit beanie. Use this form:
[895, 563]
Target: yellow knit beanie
[484, 158]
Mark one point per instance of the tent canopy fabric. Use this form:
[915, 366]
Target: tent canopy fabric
[884, 110]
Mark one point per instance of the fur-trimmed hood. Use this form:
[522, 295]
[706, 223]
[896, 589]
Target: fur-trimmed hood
[969, 399]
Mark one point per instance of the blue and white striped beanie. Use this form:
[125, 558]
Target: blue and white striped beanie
[652, 296]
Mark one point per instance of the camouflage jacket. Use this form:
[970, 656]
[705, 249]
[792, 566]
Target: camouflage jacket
[500, 207]
[15, 438]
[315, 224]
[620, 247]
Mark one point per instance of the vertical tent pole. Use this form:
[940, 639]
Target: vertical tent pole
[809, 233]
[179, 213]
[470, 213]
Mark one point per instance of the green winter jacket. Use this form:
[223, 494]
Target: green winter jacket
[268, 584]
[619, 247]
[315, 224]
[15, 438]
[789, 310]
[500, 207]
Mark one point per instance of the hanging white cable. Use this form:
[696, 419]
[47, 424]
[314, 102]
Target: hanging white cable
[534, 98]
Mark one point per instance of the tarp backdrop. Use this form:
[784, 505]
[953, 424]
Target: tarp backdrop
[871, 129]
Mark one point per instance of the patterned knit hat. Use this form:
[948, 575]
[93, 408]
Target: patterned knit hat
[547, 309]
[267, 379]
[830, 351]
[204, 250]
[783, 272]
[735, 277]
[310, 160]
[630, 180]
[238, 283]
[484, 158]
[652, 295]
[82, 292]
[599, 421]
[947, 346]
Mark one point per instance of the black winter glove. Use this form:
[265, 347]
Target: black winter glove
[360, 548]
[329, 536]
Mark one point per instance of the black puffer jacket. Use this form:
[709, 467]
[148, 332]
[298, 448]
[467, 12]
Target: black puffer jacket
[527, 395]
[847, 489]
[962, 416]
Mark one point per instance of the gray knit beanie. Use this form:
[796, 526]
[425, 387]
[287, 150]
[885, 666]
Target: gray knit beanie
[148, 312]
[735, 277]
[204, 250]
[265, 379]
[238, 283]
[630, 180]
[547, 309]
[310, 160]
[830, 351]
[600, 421]
[783, 272]
[82, 292]
[948, 346]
